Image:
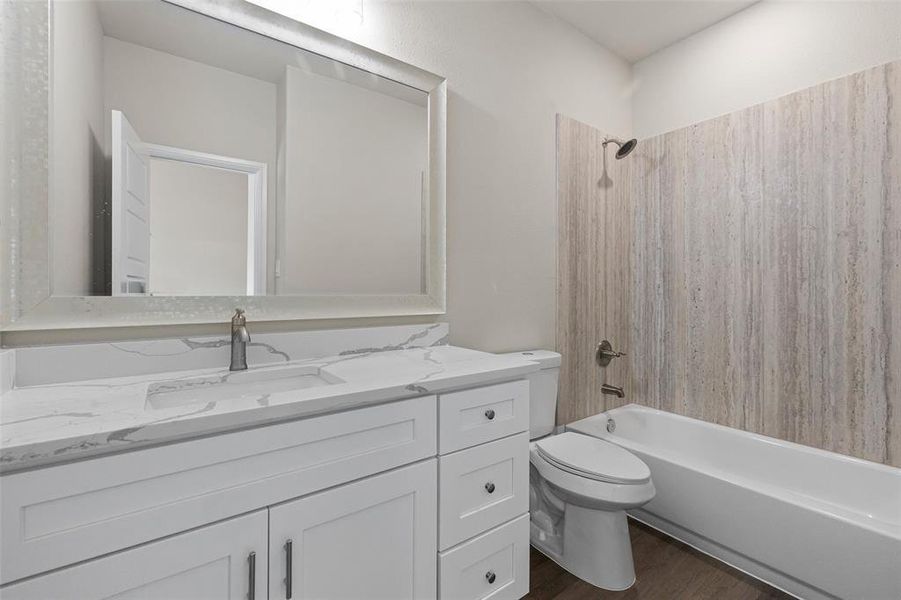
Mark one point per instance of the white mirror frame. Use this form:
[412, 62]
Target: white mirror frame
[27, 301]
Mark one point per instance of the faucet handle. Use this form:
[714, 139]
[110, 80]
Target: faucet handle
[238, 318]
[606, 353]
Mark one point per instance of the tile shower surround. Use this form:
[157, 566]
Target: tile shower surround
[750, 265]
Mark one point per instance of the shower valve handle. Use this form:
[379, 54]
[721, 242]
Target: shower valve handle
[606, 353]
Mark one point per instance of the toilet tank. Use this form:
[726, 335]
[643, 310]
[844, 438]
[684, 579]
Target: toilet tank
[542, 391]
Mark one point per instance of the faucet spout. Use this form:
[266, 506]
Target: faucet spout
[612, 390]
[240, 337]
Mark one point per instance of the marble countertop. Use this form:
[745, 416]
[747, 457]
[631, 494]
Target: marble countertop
[44, 424]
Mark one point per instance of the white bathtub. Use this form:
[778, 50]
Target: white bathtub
[816, 524]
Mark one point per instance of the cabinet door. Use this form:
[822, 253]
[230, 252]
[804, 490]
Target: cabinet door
[222, 561]
[375, 538]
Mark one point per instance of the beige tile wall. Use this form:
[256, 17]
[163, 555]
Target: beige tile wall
[750, 265]
[592, 265]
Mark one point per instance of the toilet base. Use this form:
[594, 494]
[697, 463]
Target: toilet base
[596, 547]
[581, 523]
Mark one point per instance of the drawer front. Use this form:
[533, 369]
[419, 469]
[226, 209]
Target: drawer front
[482, 414]
[494, 565]
[60, 515]
[482, 487]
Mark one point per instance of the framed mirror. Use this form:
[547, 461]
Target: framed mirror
[184, 157]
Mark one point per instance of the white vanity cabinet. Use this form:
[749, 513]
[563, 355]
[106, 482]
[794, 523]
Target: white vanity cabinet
[374, 538]
[64, 514]
[353, 504]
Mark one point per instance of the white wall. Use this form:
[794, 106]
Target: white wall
[77, 168]
[351, 218]
[179, 102]
[510, 69]
[766, 51]
[198, 230]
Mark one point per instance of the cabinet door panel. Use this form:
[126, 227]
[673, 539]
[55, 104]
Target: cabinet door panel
[375, 538]
[208, 563]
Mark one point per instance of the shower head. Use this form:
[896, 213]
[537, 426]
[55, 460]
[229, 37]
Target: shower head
[625, 148]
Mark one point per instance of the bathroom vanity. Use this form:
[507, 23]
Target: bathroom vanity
[310, 478]
[290, 173]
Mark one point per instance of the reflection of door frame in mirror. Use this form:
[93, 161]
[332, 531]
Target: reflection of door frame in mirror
[26, 299]
[256, 203]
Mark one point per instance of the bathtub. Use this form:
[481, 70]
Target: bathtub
[813, 523]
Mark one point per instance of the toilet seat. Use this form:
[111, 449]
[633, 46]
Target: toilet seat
[592, 493]
[593, 459]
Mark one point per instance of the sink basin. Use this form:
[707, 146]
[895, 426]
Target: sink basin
[251, 384]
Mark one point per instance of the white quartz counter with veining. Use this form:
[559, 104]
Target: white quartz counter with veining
[44, 424]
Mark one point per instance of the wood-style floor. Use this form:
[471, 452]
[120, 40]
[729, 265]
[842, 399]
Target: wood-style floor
[665, 570]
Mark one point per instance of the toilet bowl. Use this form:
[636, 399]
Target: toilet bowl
[579, 490]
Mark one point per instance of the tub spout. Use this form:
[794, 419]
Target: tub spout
[612, 390]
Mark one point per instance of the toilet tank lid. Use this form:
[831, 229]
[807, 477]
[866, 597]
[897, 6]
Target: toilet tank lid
[545, 358]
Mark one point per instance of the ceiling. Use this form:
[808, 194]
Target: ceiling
[634, 29]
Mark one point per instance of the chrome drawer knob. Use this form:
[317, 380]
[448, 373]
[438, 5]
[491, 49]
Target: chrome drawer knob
[490, 487]
[489, 414]
[490, 576]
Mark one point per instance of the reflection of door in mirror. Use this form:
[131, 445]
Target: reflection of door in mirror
[184, 223]
[130, 210]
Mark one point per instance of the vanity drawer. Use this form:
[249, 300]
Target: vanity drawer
[482, 414]
[482, 487]
[465, 573]
[59, 515]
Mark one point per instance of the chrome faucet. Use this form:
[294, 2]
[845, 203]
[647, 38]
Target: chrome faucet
[612, 390]
[240, 337]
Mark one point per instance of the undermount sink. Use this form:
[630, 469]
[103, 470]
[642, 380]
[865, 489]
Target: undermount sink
[251, 384]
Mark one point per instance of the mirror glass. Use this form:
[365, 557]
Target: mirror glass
[191, 157]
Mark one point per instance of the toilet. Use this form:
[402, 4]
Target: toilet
[579, 490]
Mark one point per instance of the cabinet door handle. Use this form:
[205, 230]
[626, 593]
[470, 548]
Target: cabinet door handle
[289, 554]
[490, 576]
[489, 414]
[489, 487]
[252, 579]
